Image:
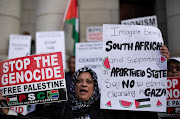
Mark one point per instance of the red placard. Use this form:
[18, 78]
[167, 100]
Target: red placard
[33, 79]
[31, 69]
[173, 88]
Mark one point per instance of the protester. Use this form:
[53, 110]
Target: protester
[174, 67]
[84, 104]
[85, 96]
[70, 73]
[174, 71]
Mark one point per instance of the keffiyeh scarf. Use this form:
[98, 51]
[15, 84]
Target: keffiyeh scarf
[76, 103]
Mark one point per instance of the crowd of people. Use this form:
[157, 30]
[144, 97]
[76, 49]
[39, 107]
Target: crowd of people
[84, 97]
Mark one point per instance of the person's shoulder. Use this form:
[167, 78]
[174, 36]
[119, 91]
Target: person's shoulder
[97, 113]
[68, 74]
[96, 103]
[51, 110]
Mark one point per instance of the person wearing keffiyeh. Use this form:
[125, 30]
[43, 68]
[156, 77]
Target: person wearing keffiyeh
[84, 92]
[85, 97]
[77, 101]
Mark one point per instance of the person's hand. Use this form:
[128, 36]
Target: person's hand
[164, 51]
[1, 97]
[4, 110]
[178, 114]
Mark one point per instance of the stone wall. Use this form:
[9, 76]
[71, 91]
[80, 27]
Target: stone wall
[97, 13]
[173, 24]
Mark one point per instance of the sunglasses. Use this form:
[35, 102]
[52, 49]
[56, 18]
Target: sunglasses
[171, 68]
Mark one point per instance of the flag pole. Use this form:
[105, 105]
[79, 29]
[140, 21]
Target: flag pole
[78, 5]
[71, 17]
[78, 9]
[62, 26]
[63, 22]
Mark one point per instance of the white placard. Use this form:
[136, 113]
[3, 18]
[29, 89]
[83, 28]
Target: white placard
[52, 41]
[134, 73]
[19, 46]
[94, 33]
[147, 21]
[90, 55]
[23, 109]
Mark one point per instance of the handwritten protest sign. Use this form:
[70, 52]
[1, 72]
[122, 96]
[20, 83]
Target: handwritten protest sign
[19, 46]
[33, 79]
[94, 33]
[94, 58]
[52, 41]
[147, 21]
[134, 73]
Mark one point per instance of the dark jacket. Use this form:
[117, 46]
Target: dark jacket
[63, 111]
[68, 78]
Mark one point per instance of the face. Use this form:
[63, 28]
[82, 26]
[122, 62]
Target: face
[173, 69]
[71, 64]
[84, 86]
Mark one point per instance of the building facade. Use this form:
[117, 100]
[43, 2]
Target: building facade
[18, 16]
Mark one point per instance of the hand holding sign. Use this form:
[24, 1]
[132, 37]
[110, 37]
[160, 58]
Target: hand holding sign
[3, 104]
[165, 52]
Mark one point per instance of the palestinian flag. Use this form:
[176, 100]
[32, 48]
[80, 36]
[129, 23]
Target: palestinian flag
[71, 17]
[12, 99]
[142, 103]
[53, 94]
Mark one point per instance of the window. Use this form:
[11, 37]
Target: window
[136, 8]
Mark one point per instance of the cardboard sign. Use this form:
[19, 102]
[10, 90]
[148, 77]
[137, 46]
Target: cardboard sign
[33, 79]
[94, 58]
[134, 71]
[48, 42]
[147, 21]
[19, 46]
[94, 33]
